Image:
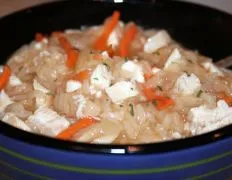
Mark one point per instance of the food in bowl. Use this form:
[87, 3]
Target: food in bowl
[113, 83]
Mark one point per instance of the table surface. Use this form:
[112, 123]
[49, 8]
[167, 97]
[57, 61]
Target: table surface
[8, 6]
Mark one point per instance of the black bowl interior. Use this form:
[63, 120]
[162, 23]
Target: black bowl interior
[196, 27]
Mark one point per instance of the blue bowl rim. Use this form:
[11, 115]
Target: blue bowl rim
[150, 148]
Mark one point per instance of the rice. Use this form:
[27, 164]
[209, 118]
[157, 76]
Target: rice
[137, 117]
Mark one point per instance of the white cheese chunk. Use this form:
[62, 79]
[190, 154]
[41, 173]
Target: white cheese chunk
[132, 70]
[14, 81]
[39, 45]
[160, 39]
[121, 91]
[81, 103]
[187, 84]
[37, 86]
[174, 58]
[203, 119]
[4, 102]
[13, 120]
[155, 70]
[101, 77]
[72, 86]
[105, 55]
[47, 122]
[212, 68]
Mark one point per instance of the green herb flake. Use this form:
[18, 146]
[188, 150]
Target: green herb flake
[159, 87]
[108, 67]
[157, 53]
[187, 73]
[50, 94]
[199, 93]
[132, 110]
[154, 103]
[126, 59]
[190, 61]
[95, 78]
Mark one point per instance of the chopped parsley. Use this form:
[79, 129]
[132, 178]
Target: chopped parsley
[187, 73]
[108, 67]
[157, 53]
[50, 94]
[199, 93]
[126, 59]
[132, 110]
[95, 78]
[159, 87]
[190, 61]
[154, 103]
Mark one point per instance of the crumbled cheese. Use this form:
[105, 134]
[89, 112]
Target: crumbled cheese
[212, 68]
[72, 86]
[155, 70]
[37, 86]
[39, 45]
[121, 91]
[13, 120]
[187, 84]
[203, 119]
[48, 122]
[4, 102]
[81, 103]
[14, 80]
[132, 70]
[42, 99]
[101, 77]
[174, 58]
[176, 135]
[160, 39]
[105, 55]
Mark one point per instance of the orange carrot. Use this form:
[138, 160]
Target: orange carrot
[147, 76]
[227, 99]
[39, 37]
[150, 94]
[164, 103]
[81, 76]
[4, 77]
[127, 39]
[72, 58]
[65, 44]
[161, 102]
[100, 43]
[71, 53]
[74, 128]
[110, 51]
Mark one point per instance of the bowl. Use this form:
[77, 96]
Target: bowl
[29, 156]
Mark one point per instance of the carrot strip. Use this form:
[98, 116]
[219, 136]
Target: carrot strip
[127, 39]
[39, 37]
[64, 43]
[227, 99]
[81, 76]
[72, 58]
[162, 104]
[100, 43]
[67, 46]
[74, 128]
[4, 77]
[150, 94]
[147, 76]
